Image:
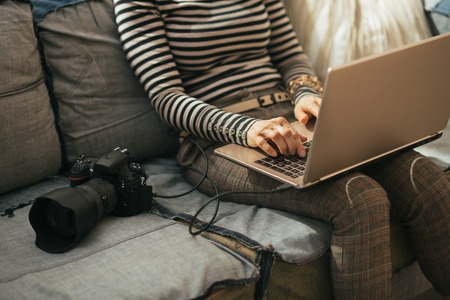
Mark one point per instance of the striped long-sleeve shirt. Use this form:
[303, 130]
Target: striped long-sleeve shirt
[190, 53]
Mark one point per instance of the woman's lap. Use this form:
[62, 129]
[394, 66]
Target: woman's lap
[360, 220]
[358, 205]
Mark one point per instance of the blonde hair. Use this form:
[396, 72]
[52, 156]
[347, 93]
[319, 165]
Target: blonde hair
[334, 32]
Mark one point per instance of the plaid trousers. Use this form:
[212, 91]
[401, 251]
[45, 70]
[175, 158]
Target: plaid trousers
[407, 187]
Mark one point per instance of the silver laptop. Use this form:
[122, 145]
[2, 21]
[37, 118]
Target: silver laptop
[372, 108]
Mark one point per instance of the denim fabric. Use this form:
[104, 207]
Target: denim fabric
[156, 241]
[144, 256]
[105, 262]
[441, 20]
[140, 257]
[43, 7]
[294, 238]
[443, 8]
[438, 13]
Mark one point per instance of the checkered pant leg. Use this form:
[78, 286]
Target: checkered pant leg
[355, 205]
[420, 197]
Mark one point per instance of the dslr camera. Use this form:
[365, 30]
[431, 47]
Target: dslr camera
[113, 184]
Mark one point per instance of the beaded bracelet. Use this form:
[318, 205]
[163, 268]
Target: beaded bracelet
[305, 80]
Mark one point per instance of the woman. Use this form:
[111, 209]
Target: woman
[196, 58]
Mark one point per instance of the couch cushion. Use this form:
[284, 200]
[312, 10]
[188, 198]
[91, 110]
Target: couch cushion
[29, 146]
[140, 257]
[101, 103]
[309, 279]
[437, 151]
[293, 238]
[438, 13]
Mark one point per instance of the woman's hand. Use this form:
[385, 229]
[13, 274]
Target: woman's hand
[307, 107]
[276, 133]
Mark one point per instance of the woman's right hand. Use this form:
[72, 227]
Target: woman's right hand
[307, 107]
[276, 133]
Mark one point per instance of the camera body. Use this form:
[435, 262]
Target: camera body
[133, 195]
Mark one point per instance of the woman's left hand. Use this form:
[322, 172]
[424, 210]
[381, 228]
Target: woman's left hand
[307, 107]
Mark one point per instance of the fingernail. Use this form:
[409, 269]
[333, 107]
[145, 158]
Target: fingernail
[302, 153]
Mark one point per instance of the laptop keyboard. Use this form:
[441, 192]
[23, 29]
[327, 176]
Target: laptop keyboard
[292, 166]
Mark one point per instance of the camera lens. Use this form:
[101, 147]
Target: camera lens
[60, 219]
[64, 216]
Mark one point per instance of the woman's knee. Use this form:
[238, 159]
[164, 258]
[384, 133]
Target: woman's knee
[364, 201]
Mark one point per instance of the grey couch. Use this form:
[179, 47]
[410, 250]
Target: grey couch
[66, 89]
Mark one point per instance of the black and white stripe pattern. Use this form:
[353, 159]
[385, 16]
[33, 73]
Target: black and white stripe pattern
[188, 54]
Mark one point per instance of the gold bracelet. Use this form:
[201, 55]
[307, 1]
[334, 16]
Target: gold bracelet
[305, 80]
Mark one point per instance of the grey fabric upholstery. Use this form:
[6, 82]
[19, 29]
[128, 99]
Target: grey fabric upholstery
[29, 146]
[144, 257]
[101, 104]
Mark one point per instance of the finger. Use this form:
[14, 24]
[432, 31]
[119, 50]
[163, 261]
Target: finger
[287, 138]
[294, 140]
[307, 108]
[303, 117]
[282, 138]
[283, 122]
[315, 108]
[266, 147]
[301, 114]
[299, 139]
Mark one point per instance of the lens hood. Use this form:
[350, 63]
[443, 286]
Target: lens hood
[63, 217]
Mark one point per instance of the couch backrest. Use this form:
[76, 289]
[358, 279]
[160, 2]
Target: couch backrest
[98, 102]
[101, 104]
[29, 144]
